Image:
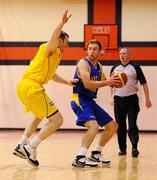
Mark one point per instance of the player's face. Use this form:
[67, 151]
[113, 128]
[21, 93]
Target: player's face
[124, 55]
[63, 43]
[93, 51]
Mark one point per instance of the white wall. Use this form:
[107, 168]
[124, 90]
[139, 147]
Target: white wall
[12, 116]
[139, 20]
[34, 20]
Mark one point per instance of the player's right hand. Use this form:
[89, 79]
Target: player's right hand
[66, 16]
[113, 81]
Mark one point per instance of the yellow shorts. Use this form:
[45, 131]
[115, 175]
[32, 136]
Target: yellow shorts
[33, 96]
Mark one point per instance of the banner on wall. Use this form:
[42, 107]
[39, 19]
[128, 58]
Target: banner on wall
[106, 34]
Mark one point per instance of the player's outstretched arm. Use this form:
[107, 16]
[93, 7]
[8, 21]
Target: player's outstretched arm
[52, 44]
[59, 79]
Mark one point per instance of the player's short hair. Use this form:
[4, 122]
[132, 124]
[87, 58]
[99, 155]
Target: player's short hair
[63, 35]
[94, 41]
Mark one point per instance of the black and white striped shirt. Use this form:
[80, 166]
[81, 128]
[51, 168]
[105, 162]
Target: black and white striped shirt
[134, 73]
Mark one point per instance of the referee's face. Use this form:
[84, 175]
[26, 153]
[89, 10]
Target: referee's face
[124, 55]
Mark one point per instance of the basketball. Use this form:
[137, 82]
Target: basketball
[122, 76]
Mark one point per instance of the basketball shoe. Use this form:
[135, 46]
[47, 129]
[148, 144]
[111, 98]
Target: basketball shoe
[122, 153]
[135, 152]
[81, 161]
[19, 152]
[96, 156]
[30, 153]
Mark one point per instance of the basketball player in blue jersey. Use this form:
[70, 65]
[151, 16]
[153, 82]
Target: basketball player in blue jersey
[89, 114]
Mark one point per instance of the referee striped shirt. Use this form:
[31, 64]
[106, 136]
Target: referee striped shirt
[134, 74]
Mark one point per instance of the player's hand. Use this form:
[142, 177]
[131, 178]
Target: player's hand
[148, 103]
[66, 16]
[73, 82]
[113, 81]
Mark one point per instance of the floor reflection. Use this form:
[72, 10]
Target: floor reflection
[25, 174]
[128, 169]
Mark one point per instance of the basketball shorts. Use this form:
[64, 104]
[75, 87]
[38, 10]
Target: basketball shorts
[33, 96]
[88, 110]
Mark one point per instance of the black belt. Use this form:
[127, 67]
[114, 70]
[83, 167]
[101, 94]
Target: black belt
[125, 97]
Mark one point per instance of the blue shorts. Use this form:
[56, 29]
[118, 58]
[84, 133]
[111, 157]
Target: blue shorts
[87, 110]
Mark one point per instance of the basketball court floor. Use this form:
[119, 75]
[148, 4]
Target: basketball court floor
[57, 153]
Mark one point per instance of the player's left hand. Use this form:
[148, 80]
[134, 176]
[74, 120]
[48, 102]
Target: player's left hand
[148, 104]
[73, 82]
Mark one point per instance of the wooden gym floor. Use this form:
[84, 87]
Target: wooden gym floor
[57, 152]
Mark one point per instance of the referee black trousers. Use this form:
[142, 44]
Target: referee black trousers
[127, 107]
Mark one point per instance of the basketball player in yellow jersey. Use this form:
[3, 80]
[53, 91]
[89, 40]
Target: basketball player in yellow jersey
[32, 93]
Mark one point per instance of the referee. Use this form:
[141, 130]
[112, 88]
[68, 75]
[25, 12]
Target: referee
[126, 101]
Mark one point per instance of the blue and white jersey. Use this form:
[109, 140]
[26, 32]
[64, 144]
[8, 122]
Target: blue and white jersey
[134, 74]
[95, 75]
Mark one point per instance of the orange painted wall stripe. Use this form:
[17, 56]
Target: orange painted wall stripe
[75, 53]
[17, 53]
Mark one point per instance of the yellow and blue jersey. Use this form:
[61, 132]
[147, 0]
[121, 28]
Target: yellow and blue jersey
[95, 74]
[82, 102]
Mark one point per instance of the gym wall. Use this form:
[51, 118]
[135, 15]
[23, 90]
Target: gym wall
[26, 24]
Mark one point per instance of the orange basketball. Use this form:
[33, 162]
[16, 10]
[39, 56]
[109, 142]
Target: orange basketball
[122, 76]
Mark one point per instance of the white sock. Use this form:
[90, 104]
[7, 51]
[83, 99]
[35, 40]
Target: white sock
[23, 140]
[35, 142]
[98, 148]
[83, 151]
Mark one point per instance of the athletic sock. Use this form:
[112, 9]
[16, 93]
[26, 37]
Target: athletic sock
[98, 148]
[83, 151]
[23, 140]
[35, 142]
